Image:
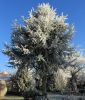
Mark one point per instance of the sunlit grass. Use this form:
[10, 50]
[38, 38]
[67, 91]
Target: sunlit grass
[12, 98]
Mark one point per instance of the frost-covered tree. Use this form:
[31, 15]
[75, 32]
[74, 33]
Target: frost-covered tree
[76, 66]
[60, 80]
[41, 43]
[23, 80]
[57, 81]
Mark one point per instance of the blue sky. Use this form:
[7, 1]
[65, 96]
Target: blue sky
[14, 9]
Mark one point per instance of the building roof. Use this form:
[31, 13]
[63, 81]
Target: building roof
[5, 76]
[1, 74]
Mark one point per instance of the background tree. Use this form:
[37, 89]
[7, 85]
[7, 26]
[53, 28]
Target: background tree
[74, 69]
[42, 43]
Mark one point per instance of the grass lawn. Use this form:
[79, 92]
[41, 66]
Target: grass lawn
[12, 98]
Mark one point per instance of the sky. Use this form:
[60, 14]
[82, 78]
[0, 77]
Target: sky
[14, 9]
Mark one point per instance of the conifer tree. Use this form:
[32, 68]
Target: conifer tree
[41, 43]
[23, 80]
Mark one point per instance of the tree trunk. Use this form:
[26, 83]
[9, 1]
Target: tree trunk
[44, 82]
[74, 86]
[44, 87]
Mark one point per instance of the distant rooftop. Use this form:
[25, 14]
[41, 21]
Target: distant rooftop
[5, 76]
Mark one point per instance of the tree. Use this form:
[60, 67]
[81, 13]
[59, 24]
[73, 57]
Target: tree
[23, 80]
[74, 70]
[60, 81]
[57, 81]
[41, 43]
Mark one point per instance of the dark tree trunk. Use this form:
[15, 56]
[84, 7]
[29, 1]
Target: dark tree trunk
[44, 86]
[74, 86]
[73, 83]
[44, 81]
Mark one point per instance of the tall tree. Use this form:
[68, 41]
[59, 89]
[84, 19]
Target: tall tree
[41, 43]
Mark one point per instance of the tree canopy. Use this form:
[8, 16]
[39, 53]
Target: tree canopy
[41, 43]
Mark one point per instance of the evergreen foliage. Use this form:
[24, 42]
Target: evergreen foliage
[23, 80]
[42, 43]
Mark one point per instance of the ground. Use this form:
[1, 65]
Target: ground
[12, 98]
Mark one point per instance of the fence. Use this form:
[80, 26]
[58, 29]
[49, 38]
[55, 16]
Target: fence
[65, 97]
[62, 97]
